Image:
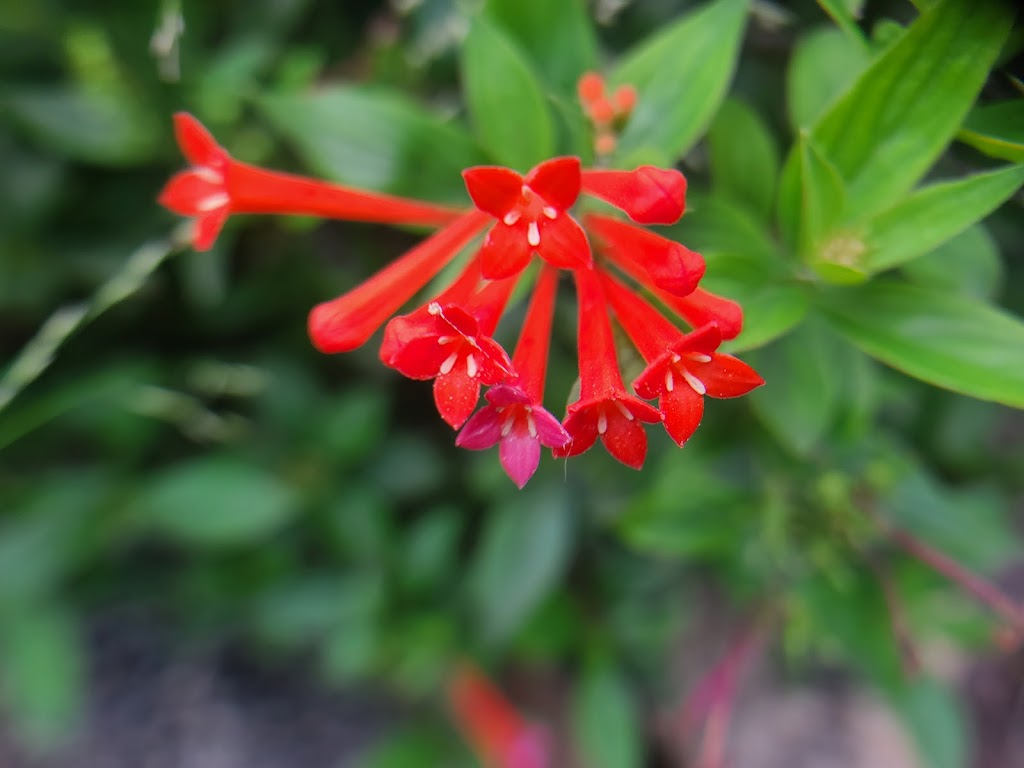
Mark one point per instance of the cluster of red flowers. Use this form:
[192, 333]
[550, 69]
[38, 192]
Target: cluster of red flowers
[450, 338]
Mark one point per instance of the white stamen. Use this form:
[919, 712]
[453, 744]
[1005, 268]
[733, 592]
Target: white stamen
[510, 420]
[550, 211]
[449, 363]
[699, 357]
[434, 308]
[442, 340]
[209, 175]
[623, 410]
[511, 217]
[669, 381]
[693, 381]
[533, 234]
[676, 358]
[213, 202]
[602, 422]
[531, 425]
[471, 366]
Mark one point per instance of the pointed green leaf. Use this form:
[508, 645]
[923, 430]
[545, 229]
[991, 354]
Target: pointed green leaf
[375, 139]
[811, 197]
[505, 99]
[967, 264]
[943, 339]
[519, 561]
[681, 75]
[997, 130]
[770, 310]
[606, 727]
[845, 13]
[559, 37]
[744, 158]
[934, 214]
[902, 111]
[215, 501]
[823, 65]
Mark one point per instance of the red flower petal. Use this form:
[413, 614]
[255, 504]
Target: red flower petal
[683, 409]
[557, 181]
[196, 143]
[505, 251]
[519, 454]
[672, 267]
[648, 195]
[482, 431]
[626, 441]
[191, 193]
[494, 190]
[456, 395]
[563, 244]
[207, 228]
[727, 376]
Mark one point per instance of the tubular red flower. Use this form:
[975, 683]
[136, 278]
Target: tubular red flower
[348, 321]
[682, 368]
[217, 185]
[452, 345]
[671, 266]
[499, 735]
[698, 308]
[515, 415]
[605, 409]
[532, 216]
[648, 195]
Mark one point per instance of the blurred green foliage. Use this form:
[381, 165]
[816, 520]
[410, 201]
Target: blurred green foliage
[170, 437]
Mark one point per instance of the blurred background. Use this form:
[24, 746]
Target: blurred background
[220, 548]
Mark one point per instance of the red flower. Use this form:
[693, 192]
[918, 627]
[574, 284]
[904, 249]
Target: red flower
[682, 368]
[451, 343]
[450, 338]
[605, 409]
[531, 214]
[217, 185]
[499, 735]
[515, 416]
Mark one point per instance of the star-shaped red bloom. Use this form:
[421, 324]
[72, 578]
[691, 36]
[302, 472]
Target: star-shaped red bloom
[450, 345]
[519, 424]
[681, 368]
[532, 216]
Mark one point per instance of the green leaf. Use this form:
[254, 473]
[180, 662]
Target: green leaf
[606, 727]
[967, 264]
[681, 75]
[519, 560]
[41, 672]
[744, 158]
[934, 718]
[823, 65]
[95, 126]
[811, 197]
[559, 37]
[770, 310]
[798, 402]
[505, 99]
[941, 338]
[215, 501]
[934, 214]
[703, 523]
[845, 13]
[997, 130]
[375, 139]
[716, 225]
[888, 129]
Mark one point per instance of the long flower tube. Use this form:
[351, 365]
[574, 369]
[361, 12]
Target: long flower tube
[217, 186]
